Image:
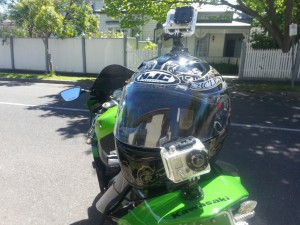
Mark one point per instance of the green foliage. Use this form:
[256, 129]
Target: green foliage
[150, 46]
[5, 32]
[226, 69]
[61, 18]
[267, 87]
[48, 21]
[262, 41]
[79, 20]
[108, 34]
[48, 76]
[275, 16]
[135, 13]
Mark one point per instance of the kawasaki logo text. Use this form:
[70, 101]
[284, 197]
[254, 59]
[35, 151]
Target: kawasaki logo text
[187, 210]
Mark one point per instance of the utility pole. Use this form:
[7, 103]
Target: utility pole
[293, 33]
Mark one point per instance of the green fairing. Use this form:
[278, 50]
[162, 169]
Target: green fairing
[91, 102]
[220, 193]
[105, 123]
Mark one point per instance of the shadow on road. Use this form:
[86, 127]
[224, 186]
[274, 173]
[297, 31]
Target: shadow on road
[75, 112]
[268, 159]
[6, 82]
[93, 214]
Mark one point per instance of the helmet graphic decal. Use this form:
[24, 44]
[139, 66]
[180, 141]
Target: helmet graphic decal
[207, 84]
[145, 175]
[187, 78]
[170, 67]
[159, 77]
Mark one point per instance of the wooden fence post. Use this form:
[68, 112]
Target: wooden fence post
[83, 53]
[125, 47]
[242, 60]
[297, 63]
[12, 55]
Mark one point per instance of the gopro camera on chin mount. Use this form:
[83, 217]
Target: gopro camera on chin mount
[181, 20]
[186, 159]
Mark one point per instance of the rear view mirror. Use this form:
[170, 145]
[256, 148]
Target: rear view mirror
[70, 94]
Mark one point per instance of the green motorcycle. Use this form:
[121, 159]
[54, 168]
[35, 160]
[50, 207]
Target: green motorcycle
[155, 136]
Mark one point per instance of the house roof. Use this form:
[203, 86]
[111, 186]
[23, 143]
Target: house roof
[213, 15]
[233, 24]
[213, 8]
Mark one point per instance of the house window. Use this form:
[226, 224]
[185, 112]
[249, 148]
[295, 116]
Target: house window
[202, 46]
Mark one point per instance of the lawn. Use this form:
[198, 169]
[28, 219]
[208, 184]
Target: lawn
[47, 77]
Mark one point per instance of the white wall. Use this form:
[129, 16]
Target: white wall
[66, 54]
[216, 46]
[29, 54]
[5, 57]
[103, 52]
[148, 31]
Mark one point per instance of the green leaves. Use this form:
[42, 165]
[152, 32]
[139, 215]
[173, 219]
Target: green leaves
[61, 18]
[48, 21]
[135, 13]
[274, 16]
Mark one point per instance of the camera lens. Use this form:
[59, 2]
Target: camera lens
[197, 160]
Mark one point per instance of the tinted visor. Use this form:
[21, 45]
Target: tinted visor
[151, 116]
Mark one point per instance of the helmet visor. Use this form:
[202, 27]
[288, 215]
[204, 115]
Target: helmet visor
[151, 117]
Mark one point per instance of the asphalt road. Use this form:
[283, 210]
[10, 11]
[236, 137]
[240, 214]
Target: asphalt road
[45, 166]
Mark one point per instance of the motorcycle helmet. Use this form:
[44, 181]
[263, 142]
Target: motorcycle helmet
[168, 98]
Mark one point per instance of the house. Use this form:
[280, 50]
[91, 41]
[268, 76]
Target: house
[219, 31]
[108, 24]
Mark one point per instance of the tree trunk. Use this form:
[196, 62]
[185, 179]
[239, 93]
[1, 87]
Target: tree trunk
[49, 65]
[270, 20]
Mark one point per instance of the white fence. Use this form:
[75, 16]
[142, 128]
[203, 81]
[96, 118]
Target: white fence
[136, 57]
[68, 55]
[80, 55]
[265, 64]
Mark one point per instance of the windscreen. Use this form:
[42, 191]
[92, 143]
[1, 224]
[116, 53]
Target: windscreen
[111, 78]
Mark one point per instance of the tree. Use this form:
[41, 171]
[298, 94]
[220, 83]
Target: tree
[135, 13]
[47, 21]
[76, 16]
[261, 40]
[274, 15]
[60, 18]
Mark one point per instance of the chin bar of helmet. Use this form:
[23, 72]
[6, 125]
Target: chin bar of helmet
[186, 159]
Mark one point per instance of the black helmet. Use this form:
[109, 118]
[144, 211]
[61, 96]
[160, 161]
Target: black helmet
[169, 98]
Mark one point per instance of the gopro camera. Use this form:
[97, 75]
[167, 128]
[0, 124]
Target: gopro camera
[181, 20]
[185, 160]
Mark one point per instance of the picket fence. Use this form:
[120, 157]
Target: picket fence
[136, 57]
[266, 64]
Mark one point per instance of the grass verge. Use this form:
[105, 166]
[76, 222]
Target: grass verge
[269, 87]
[241, 85]
[46, 77]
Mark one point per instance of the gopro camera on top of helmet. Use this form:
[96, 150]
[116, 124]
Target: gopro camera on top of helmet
[181, 20]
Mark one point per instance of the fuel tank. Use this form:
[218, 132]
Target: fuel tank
[222, 193]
